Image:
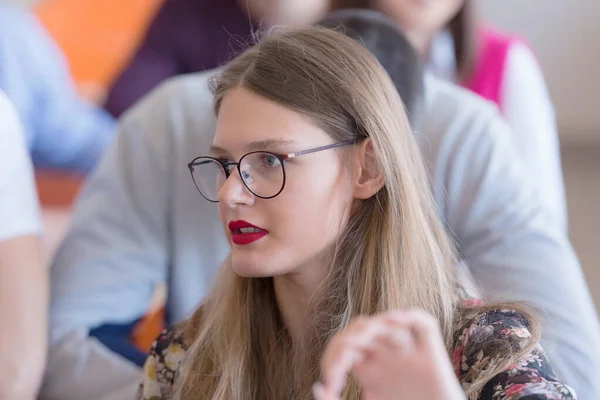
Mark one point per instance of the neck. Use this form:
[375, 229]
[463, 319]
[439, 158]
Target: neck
[295, 296]
[421, 41]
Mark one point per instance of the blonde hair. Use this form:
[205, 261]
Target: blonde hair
[394, 253]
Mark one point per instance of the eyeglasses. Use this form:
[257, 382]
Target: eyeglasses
[262, 172]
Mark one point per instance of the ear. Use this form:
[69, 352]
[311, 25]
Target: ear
[368, 175]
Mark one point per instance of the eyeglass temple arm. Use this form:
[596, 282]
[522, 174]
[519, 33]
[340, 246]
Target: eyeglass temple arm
[329, 146]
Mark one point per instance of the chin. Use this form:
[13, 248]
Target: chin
[249, 265]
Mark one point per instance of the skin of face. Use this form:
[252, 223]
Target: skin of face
[420, 19]
[305, 219]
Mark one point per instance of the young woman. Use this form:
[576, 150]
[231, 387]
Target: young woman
[336, 250]
[498, 66]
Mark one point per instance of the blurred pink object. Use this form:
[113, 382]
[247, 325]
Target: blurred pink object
[488, 76]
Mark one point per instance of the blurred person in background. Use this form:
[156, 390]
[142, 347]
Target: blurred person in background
[23, 275]
[457, 47]
[192, 35]
[63, 131]
[140, 223]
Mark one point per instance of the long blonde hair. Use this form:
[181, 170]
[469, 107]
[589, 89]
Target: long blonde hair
[394, 253]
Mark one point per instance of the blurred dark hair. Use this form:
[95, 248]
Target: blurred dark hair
[462, 27]
[381, 36]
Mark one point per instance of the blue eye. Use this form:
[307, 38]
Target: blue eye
[269, 160]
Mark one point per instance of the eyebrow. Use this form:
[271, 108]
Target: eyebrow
[264, 145]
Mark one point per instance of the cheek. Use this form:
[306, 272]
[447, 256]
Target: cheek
[314, 207]
[223, 215]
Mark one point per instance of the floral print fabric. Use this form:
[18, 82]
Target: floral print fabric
[530, 378]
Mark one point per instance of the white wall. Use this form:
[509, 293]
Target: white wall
[565, 35]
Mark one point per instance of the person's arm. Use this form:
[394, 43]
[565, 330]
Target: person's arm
[115, 254]
[169, 345]
[155, 61]
[64, 131]
[530, 377]
[517, 250]
[23, 275]
[529, 112]
[23, 306]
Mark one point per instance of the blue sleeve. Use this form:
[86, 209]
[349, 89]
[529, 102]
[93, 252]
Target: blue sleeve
[63, 130]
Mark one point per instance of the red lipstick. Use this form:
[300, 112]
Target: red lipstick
[243, 232]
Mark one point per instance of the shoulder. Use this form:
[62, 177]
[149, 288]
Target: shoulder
[455, 108]
[14, 151]
[13, 145]
[462, 137]
[19, 208]
[490, 328]
[522, 69]
[457, 123]
[162, 366]
[168, 344]
[175, 114]
[22, 33]
[526, 99]
[8, 117]
[483, 331]
[179, 92]
[489, 339]
[12, 17]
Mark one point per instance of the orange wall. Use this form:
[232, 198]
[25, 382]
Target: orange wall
[97, 36]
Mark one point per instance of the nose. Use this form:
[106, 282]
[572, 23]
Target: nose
[234, 193]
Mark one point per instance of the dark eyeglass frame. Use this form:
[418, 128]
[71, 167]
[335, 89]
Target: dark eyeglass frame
[225, 164]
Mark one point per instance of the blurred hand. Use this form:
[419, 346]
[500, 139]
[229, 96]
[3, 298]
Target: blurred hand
[399, 354]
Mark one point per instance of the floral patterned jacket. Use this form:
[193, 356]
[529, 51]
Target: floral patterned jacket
[531, 378]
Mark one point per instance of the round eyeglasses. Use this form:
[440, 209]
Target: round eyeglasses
[262, 172]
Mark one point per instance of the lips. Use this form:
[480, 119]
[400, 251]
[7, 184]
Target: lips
[243, 233]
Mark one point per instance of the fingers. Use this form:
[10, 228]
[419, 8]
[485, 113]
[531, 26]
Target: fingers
[345, 350]
[424, 327]
[364, 336]
[395, 337]
[398, 331]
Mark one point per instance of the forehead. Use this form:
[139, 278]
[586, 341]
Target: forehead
[245, 117]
